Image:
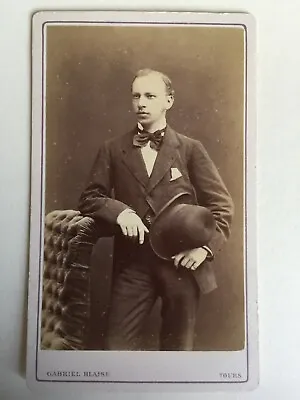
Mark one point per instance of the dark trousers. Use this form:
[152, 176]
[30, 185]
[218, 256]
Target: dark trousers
[134, 292]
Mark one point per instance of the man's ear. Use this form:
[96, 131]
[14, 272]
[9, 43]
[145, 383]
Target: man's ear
[170, 100]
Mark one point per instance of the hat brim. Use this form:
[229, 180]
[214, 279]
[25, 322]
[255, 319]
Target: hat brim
[161, 248]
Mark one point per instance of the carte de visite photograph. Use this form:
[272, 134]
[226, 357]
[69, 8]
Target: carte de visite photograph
[142, 222]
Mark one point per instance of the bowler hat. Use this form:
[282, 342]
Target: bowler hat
[179, 226]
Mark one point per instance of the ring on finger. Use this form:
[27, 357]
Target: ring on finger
[130, 231]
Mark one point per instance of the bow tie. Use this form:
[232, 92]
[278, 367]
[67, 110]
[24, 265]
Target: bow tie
[143, 137]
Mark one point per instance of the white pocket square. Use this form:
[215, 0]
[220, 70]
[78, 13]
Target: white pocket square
[175, 174]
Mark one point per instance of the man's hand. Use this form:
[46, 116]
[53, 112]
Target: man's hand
[190, 259]
[132, 225]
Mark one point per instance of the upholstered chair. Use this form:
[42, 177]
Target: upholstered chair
[69, 239]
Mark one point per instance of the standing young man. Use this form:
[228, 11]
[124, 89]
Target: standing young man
[146, 168]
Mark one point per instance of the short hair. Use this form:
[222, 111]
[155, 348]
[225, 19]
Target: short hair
[167, 81]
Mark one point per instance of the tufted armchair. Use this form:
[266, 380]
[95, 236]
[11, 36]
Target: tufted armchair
[69, 239]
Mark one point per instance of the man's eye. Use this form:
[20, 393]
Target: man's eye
[150, 96]
[135, 96]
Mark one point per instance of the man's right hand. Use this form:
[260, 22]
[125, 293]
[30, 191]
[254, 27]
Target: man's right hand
[132, 225]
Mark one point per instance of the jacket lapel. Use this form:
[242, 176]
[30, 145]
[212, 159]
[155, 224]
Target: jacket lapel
[133, 159]
[165, 158]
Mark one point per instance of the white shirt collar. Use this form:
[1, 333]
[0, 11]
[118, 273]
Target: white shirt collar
[162, 125]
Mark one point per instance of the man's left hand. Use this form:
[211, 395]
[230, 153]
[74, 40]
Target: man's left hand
[190, 259]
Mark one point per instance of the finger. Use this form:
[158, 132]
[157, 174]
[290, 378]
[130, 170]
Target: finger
[189, 264]
[130, 231]
[145, 228]
[185, 261]
[195, 265]
[141, 234]
[177, 259]
[135, 231]
[124, 230]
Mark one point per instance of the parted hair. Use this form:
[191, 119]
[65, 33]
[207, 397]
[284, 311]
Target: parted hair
[167, 81]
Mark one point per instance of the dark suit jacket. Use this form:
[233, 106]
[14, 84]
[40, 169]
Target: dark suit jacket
[119, 167]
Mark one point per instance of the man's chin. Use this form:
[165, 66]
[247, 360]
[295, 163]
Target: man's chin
[143, 117]
[144, 120]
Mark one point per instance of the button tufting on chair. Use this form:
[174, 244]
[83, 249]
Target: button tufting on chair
[49, 290]
[64, 244]
[59, 258]
[60, 275]
[68, 242]
[57, 309]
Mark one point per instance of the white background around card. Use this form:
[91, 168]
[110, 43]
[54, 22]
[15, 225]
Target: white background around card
[278, 89]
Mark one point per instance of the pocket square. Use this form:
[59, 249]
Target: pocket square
[175, 174]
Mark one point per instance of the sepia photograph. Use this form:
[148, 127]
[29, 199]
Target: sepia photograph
[140, 162]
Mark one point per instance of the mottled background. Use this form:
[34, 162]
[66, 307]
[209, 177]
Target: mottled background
[89, 70]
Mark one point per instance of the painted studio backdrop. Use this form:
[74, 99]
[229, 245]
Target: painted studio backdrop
[89, 70]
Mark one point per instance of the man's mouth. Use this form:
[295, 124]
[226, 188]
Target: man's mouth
[142, 113]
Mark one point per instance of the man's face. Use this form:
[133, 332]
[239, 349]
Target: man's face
[150, 99]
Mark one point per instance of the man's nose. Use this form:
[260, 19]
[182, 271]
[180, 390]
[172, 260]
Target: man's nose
[141, 103]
